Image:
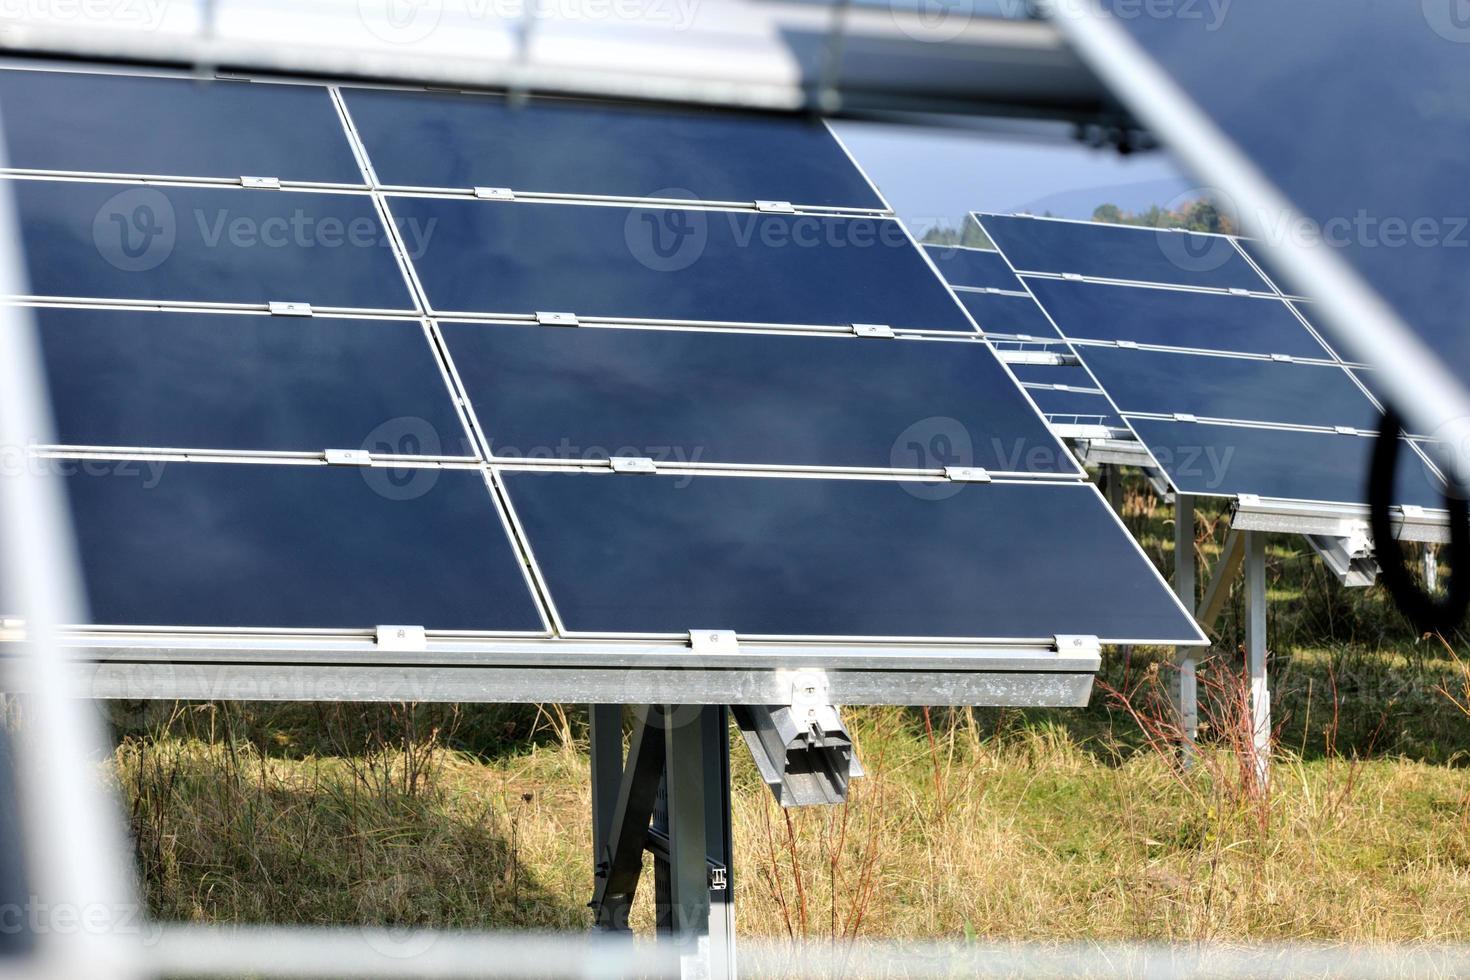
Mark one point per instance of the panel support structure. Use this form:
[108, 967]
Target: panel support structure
[626, 828]
[1184, 587]
[605, 747]
[1255, 651]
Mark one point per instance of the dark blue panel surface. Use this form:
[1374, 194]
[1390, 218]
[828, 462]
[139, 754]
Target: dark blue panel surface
[1242, 389]
[203, 244]
[438, 140]
[127, 124]
[802, 557]
[1380, 168]
[1121, 252]
[1226, 460]
[704, 396]
[999, 313]
[244, 545]
[1175, 318]
[221, 381]
[672, 264]
[973, 267]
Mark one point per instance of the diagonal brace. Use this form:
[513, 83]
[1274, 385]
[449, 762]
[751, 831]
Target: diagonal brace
[1232, 555]
[619, 867]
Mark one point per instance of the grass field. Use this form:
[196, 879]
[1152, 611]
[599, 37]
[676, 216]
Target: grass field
[1037, 824]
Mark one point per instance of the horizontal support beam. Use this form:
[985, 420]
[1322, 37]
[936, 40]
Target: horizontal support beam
[1276, 516]
[292, 682]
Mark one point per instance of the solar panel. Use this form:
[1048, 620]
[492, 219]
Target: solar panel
[1223, 387]
[141, 378]
[763, 399]
[566, 147]
[1123, 253]
[829, 557]
[715, 265]
[206, 245]
[974, 267]
[1067, 394]
[301, 440]
[1175, 318]
[1379, 181]
[1226, 460]
[133, 124]
[1004, 313]
[239, 545]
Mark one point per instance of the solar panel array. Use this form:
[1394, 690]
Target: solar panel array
[329, 357]
[1184, 339]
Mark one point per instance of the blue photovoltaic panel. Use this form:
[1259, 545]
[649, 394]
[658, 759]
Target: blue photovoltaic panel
[1066, 394]
[438, 140]
[205, 244]
[139, 378]
[130, 124]
[247, 545]
[973, 267]
[1175, 318]
[1226, 460]
[802, 557]
[999, 313]
[1383, 176]
[672, 264]
[1236, 388]
[1118, 252]
[713, 397]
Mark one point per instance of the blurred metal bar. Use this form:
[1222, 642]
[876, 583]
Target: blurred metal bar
[1184, 587]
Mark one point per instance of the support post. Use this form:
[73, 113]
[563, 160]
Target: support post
[1113, 486]
[627, 830]
[1431, 567]
[1188, 694]
[605, 727]
[1255, 651]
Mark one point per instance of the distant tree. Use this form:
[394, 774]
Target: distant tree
[1201, 214]
[1110, 213]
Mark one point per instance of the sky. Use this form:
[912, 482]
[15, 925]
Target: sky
[937, 175]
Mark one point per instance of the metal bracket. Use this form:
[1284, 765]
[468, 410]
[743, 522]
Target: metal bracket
[1283, 358]
[1237, 291]
[1038, 357]
[348, 457]
[557, 319]
[1350, 557]
[495, 193]
[1077, 644]
[402, 638]
[775, 207]
[803, 750]
[872, 330]
[1184, 417]
[713, 641]
[632, 464]
[281, 308]
[1128, 344]
[1344, 430]
[966, 474]
[719, 878]
[1072, 276]
[270, 182]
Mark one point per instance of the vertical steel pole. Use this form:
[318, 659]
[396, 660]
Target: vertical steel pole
[605, 747]
[720, 842]
[1431, 567]
[1113, 486]
[1184, 582]
[1255, 650]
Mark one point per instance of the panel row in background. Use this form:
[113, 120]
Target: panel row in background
[1218, 374]
[229, 546]
[332, 250]
[243, 382]
[150, 125]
